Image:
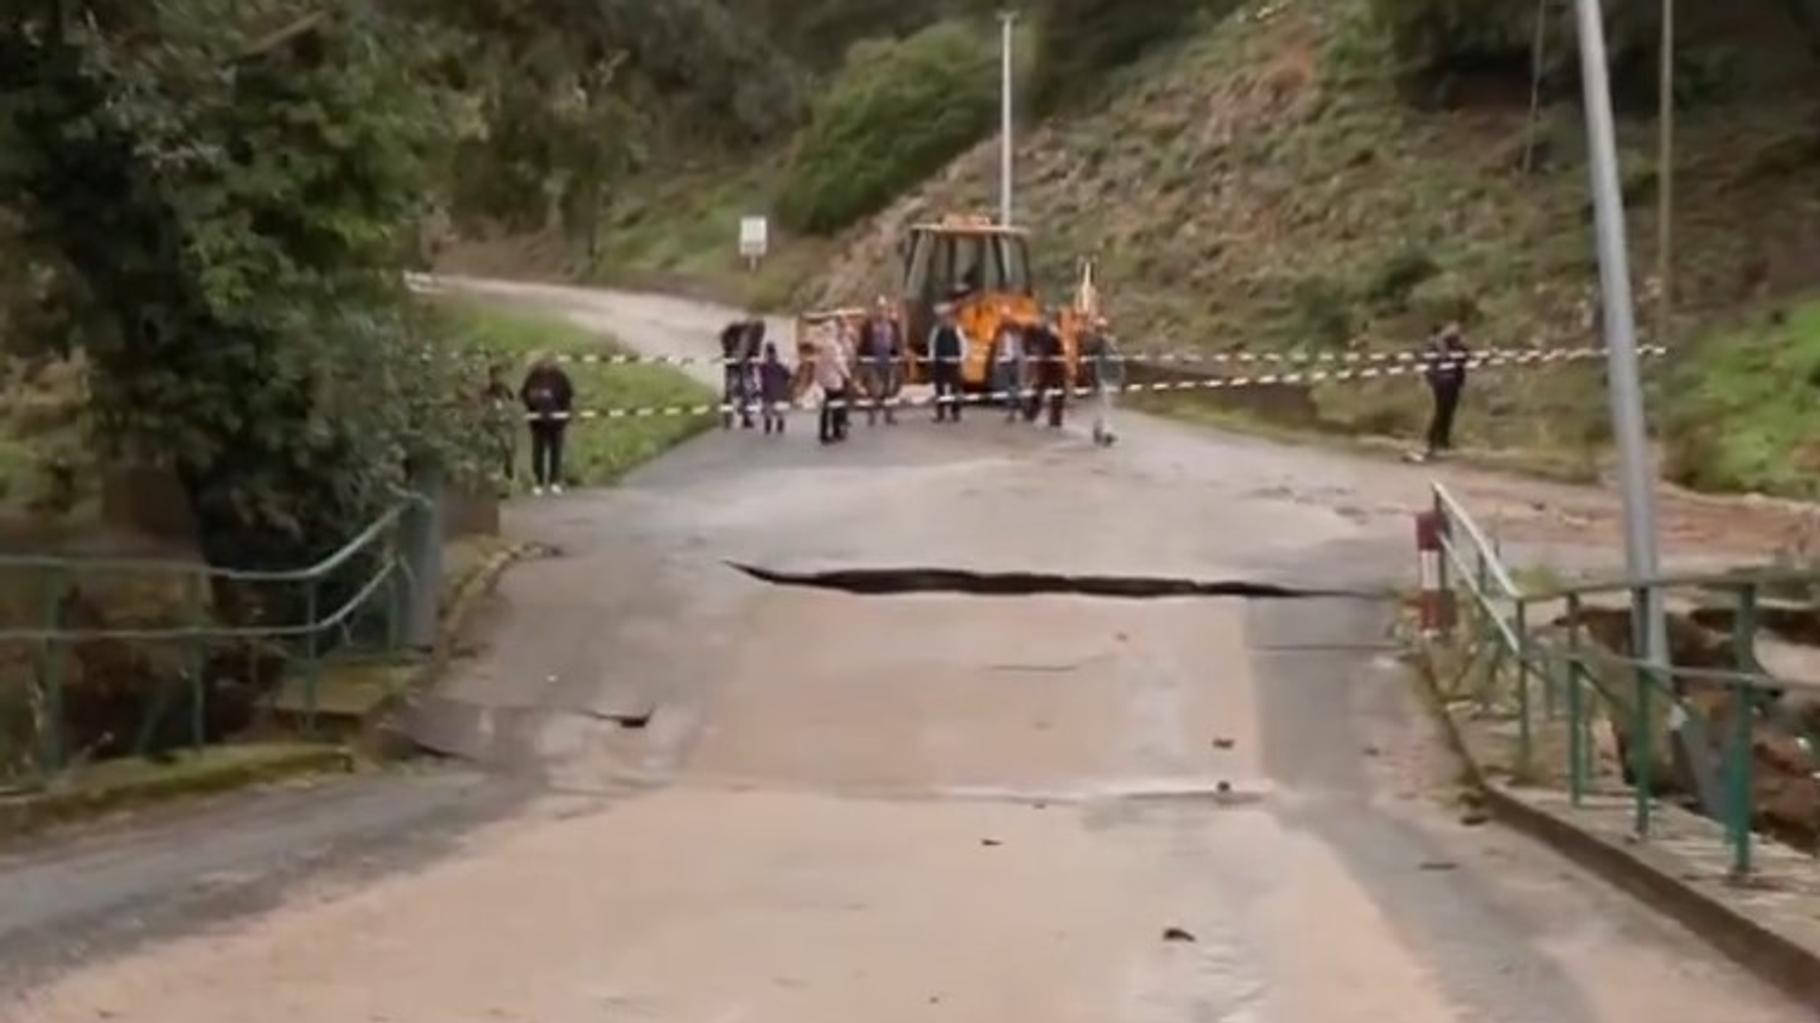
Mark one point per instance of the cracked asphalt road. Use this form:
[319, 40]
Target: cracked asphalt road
[922, 807]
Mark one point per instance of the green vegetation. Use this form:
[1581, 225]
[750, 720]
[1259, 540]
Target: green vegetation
[1267, 183]
[223, 249]
[1440, 37]
[564, 101]
[1745, 415]
[1081, 41]
[676, 232]
[894, 115]
[599, 452]
[819, 32]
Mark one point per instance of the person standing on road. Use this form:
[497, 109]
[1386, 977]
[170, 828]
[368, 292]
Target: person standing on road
[775, 384]
[1049, 355]
[1008, 367]
[834, 376]
[1445, 358]
[881, 348]
[947, 355]
[549, 400]
[1108, 370]
[737, 352]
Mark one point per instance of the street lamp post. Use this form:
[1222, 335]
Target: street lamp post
[1635, 470]
[1008, 21]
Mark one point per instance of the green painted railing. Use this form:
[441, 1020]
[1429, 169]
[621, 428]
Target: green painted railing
[1540, 634]
[370, 569]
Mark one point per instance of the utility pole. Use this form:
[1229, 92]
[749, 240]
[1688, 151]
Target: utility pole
[1008, 19]
[1636, 473]
[1665, 213]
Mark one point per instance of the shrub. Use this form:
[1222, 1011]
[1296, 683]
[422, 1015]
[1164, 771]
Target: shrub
[1744, 411]
[1322, 312]
[1407, 269]
[1081, 40]
[889, 122]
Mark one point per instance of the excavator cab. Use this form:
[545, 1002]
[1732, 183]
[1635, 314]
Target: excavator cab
[979, 267]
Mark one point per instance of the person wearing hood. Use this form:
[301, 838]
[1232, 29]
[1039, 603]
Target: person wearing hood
[549, 401]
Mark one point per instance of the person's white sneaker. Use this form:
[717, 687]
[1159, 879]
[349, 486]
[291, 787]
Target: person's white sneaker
[556, 489]
[536, 491]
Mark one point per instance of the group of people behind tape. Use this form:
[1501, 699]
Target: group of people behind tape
[862, 367]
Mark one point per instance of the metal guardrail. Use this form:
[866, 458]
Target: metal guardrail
[378, 552]
[1501, 618]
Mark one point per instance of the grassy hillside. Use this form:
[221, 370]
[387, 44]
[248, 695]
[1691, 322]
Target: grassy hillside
[1269, 184]
[1745, 415]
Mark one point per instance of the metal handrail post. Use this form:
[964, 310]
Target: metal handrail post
[1643, 744]
[196, 660]
[51, 657]
[1576, 721]
[1740, 812]
[1525, 741]
[312, 663]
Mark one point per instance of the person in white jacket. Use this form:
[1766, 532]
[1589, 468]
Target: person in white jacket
[1008, 368]
[834, 375]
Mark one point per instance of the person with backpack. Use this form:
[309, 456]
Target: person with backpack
[947, 355]
[740, 343]
[549, 401]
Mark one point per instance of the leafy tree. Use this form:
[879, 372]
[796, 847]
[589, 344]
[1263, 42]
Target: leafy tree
[566, 96]
[224, 191]
[1434, 37]
[893, 116]
[819, 32]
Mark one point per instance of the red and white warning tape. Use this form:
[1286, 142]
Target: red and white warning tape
[1155, 358]
[1313, 376]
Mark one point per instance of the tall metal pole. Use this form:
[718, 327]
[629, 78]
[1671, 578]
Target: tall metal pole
[1006, 117]
[1665, 212]
[1636, 473]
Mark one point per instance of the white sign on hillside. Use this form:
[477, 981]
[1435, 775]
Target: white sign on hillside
[754, 238]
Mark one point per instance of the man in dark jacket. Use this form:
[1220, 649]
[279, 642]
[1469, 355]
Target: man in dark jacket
[549, 398]
[1445, 358]
[1049, 358]
[740, 343]
[947, 355]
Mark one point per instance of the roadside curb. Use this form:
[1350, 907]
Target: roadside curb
[26, 814]
[1772, 957]
[1789, 965]
[378, 738]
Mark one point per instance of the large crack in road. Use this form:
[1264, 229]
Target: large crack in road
[885, 582]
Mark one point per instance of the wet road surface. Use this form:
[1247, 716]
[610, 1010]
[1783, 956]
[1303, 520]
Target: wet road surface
[923, 807]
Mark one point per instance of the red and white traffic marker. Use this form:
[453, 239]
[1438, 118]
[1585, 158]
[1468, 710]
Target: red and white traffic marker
[1436, 603]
